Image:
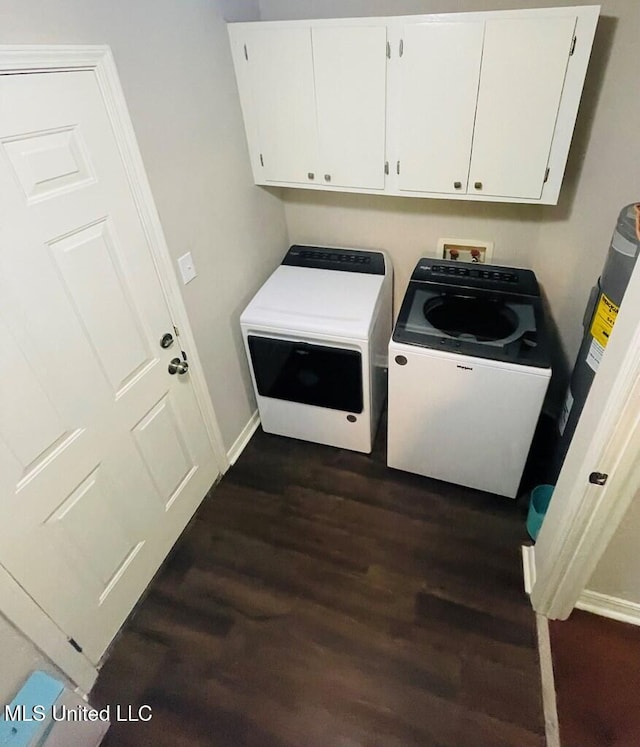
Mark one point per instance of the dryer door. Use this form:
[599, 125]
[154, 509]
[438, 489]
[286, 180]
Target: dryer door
[307, 373]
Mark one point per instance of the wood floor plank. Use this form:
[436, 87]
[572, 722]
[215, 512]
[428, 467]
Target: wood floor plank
[321, 599]
[596, 663]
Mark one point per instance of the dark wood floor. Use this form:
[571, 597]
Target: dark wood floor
[596, 665]
[320, 599]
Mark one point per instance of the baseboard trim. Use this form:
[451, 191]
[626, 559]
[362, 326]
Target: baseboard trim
[608, 606]
[549, 702]
[529, 567]
[243, 439]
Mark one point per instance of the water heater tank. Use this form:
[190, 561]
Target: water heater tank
[599, 319]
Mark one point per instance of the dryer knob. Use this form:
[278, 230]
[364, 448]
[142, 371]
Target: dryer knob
[351, 418]
[401, 360]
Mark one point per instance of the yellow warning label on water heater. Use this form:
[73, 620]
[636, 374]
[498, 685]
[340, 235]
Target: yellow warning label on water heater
[603, 320]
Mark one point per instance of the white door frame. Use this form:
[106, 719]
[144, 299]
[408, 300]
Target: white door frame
[16, 604]
[583, 517]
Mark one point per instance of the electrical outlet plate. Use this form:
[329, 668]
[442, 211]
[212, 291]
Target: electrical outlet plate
[465, 250]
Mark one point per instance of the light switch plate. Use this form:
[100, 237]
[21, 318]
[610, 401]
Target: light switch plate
[187, 267]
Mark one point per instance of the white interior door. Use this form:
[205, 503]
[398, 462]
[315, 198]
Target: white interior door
[104, 455]
[523, 69]
[281, 72]
[439, 69]
[350, 68]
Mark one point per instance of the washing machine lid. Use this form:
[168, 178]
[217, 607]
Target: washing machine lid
[494, 313]
[330, 303]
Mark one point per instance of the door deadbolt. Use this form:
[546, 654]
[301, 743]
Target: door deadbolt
[166, 341]
[178, 366]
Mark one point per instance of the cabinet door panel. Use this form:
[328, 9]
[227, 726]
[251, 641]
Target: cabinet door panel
[440, 68]
[350, 76]
[523, 69]
[283, 95]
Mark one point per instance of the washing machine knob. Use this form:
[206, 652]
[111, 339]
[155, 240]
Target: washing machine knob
[401, 360]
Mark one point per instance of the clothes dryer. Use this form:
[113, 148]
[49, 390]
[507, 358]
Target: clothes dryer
[316, 336]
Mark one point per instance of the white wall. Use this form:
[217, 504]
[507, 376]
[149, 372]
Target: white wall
[19, 658]
[564, 244]
[175, 66]
[618, 572]
[603, 173]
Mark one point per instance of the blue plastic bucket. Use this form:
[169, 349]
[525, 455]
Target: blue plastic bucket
[538, 505]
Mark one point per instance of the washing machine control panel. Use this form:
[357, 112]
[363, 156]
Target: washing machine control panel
[489, 277]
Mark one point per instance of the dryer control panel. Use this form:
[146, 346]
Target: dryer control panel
[327, 258]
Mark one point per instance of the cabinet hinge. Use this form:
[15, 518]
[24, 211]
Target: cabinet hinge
[398, 167]
[573, 46]
[246, 54]
[388, 50]
[401, 48]
[386, 167]
[546, 175]
[75, 645]
[261, 160]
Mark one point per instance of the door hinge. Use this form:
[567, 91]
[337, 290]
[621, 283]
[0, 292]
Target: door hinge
[261, 160]
[388, 50]
[75, 645]
[573, 45]
[546, 175]
[598, 478]
[401, 47]
[246, 54]
[398, 167]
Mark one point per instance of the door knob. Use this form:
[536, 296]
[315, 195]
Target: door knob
[178, 366]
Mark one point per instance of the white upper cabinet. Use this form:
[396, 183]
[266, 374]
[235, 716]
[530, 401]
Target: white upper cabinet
[476, 106]
[350, 65]
[280, 64]
[439, 71]
[523, 70]
[317, 100]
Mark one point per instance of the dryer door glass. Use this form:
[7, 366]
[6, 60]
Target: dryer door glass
[310, 374]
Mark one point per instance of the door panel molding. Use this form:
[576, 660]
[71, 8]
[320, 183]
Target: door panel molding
[19, 608]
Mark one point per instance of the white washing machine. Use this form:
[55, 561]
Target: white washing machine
[316, 336]
[469, 367]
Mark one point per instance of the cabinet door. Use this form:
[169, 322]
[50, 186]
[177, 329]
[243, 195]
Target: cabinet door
[282, 86]
[439, 69]
[350, 68]
[523, 70]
